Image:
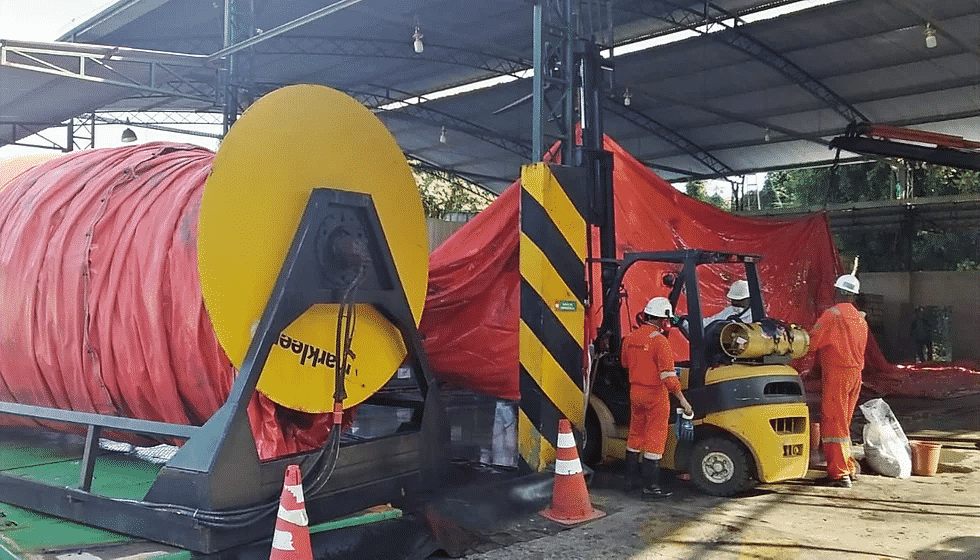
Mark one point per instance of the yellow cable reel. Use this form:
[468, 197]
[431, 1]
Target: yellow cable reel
[286, 144]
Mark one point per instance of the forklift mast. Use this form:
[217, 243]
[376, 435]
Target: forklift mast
[598, 162]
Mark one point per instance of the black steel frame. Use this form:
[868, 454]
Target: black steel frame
[687, 281]
[218, 469]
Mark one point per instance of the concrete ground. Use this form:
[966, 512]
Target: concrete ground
[920, 518]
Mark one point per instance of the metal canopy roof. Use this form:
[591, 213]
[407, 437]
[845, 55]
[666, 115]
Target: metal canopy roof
[44, 84]
[745, 92]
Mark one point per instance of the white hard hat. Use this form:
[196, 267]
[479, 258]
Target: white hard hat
[848, 283]
[658, 307]
[739, 290]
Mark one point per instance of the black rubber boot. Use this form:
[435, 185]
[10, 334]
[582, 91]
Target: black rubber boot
[632, 470]
[651, 481]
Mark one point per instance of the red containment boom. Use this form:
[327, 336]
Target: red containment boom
[100, 301]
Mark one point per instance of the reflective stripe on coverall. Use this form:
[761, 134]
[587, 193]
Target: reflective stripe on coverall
[839, 337]
[650, 361]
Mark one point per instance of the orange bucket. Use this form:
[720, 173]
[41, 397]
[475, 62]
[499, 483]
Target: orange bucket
[925, 457]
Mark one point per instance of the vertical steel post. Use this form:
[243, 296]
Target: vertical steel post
[81, 133]
[88, 458]
[537, 100]
[568, 64]
[598, 163]
[237, 27]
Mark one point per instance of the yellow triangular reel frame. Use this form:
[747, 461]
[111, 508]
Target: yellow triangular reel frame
[286, 144]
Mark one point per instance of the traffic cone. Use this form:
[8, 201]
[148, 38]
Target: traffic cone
[292, 538]
[570, 499]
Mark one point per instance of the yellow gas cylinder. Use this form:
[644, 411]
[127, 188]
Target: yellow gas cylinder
[752, 340]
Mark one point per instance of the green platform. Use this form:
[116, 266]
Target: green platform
[56, 460]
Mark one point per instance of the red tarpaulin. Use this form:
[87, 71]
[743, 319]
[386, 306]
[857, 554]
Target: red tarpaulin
[101, 304]
[470, 322]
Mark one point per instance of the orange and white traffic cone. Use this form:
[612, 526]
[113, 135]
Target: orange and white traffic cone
[292, 538]
[570, 502]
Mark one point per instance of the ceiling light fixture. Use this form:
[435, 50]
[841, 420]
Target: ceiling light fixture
[417, 39]
[930, 36]
[627, 97]
[767, 135]
[128, 135]
[442, 136]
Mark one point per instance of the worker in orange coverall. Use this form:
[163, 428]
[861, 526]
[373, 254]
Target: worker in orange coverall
[650, 361]
[839, 338]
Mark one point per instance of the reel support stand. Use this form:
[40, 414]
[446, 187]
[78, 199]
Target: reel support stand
[218, 467]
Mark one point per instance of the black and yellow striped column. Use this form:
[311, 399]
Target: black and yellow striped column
[553, 291]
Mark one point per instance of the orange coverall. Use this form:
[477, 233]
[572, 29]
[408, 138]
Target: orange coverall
[839, 337]
[650, 361]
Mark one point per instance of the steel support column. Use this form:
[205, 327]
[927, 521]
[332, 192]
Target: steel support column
[81, 132]
[239, 25]
[553, 81]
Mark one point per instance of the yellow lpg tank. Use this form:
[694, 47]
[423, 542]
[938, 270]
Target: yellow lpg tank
[752, 340]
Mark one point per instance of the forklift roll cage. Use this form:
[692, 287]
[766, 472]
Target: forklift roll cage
[610, 334]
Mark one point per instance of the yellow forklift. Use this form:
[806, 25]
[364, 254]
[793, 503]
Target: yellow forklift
[751, 421]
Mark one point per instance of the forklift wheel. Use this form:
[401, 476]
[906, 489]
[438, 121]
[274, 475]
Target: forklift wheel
[720, 467]
[592, 446]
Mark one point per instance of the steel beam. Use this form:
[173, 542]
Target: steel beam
[132, 69]
[163, 128]
[412, 108]
[938, 156]
[381, 48]
[917, 11]
[712, 15]
[134, 425]
[240, 45]
[615, 106]
[141, 118]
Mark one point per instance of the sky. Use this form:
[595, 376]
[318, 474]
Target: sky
[19, 18]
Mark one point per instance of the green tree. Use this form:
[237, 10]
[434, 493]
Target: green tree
[699, 189]
[930, 250]
[442, 194]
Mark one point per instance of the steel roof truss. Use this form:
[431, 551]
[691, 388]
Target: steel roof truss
[417, 111]
[379, 48]
[79, 64]
[284, 28]
[616, 107]
[713, 15]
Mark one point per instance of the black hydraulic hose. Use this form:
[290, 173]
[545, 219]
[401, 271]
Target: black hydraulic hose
[242, 517]
[346, 320]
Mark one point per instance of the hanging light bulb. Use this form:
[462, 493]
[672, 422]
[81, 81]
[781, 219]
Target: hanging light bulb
[767, 135]
[930, 36]
[442, 136]
[417, 39]
[627, 97]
